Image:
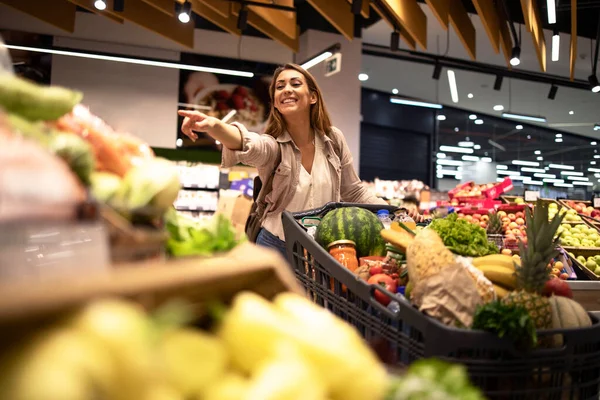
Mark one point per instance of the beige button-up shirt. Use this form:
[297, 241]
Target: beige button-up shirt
[261, 151]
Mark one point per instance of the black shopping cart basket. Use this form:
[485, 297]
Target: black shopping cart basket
[500, 370]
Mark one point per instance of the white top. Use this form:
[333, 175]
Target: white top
[313, 191]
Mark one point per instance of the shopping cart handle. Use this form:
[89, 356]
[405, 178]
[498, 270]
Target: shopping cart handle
[334, 205]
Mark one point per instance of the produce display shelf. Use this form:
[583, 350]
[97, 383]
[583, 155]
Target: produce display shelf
[587, 293]
[585, 252]
[511, 200]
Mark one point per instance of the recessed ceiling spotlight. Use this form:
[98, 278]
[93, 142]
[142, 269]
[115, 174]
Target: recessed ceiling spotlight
[179, 142]
[472, 117]
[395, 91]
[528, 137]
[456, 129]
[477, 147]
[470, 95]
[478, 121]
[540, 158]
[498, 107]
[558, 140]
[363, 77]
[537, 152]
[185, 12]
[593, 162]
[593, 143]
[559, 135]
[571, 112]
[519, 127]
[441, 117]
[100, 5]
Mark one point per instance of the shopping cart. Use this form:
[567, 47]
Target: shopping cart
[405, 334]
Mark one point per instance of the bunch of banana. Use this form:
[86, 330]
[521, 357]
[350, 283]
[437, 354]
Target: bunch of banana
[500, 269]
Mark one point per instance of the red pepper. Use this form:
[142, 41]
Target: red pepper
[386, 282]
[377, 269]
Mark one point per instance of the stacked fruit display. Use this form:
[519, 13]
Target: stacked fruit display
[583, 208]
[579, 235]
[530, 284]
[473, 190]
[592, 263]
[570, 215]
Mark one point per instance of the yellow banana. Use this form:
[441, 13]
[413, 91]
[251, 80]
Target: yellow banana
[495, 259]
[500, 275]
[500, 291]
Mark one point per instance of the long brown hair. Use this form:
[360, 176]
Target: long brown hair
[319, 117]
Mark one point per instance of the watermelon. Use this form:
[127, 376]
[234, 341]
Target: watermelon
[356, 224]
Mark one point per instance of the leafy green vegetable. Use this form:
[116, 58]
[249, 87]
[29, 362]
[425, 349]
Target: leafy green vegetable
[76, 152]
[190, 237]
[463, 237]
[507, 321]
[433, 379]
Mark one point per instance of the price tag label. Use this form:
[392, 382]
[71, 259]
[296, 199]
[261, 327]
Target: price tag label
[596, 202]
[531, 195]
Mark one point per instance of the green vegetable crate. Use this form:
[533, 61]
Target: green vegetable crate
[402, 334]
[582, 271]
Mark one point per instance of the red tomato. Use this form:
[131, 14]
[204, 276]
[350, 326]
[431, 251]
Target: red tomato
[385, 281]
[377, 269]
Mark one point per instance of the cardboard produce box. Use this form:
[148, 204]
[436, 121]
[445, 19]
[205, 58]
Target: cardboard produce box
[235, 206]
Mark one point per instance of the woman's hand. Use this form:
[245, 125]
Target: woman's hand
[414, 214]
[196, 121]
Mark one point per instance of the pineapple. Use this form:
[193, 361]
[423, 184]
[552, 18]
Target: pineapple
[533, 273]
[494, 225]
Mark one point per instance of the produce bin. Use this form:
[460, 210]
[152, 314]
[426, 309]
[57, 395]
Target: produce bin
[500, 370]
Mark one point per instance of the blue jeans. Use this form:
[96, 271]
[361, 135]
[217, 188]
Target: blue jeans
[267, 239]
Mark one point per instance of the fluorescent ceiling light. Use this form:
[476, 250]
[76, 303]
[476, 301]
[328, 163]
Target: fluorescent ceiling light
[555, 46]
[523, 117]
[470, 158]
[441, 117]
[316, 60]
[551, 6]
[519, 127]
[526, 163]
[593, 143]
[571, 173]
[559, 135]
[127, 60]
[448, 172]
[537, 152]
[593, 162]
[473, 117]
[567, 185]
[486, 159]
[453, 87]
[553, 180]
[561, 166]
[441, 155]
[519, 178]
[539, 158]
[594, 169]
[558, 140]
[596, 156]
[583, 183]
[466, 143]
[527, 169]
[544, 176]
[449, 162]
[363, 77]
[512, 173]
[498, 107]
[477, 147]
[406, 102]
[452, 149]
[577, 178]
[538, 183]
[500, 166]
[478, 122]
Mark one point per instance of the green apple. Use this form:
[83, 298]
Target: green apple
[591, 265]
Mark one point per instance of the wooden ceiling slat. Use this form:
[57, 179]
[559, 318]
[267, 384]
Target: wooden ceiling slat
[411, 17]
[489, 18]
[278, 18]
[90, 7]
[166, 6]
[337, 13]
[219, 6]
[59, 13]
[274, 32]
[526, 7]
[441, 10]
[464, 27]
[204, 9]
[506, 42]
[573, 49]
[404, 35]
[537, 33]
[140, 13]
[365, 8]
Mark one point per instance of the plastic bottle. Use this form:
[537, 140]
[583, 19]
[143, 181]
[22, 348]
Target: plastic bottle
[384, 217]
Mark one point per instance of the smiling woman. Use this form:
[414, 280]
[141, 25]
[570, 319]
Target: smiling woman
[305, 157]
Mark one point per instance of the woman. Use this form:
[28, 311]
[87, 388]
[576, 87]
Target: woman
[316, 164]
